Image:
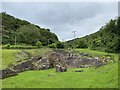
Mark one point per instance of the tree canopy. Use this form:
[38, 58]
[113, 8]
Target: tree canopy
[24, 31]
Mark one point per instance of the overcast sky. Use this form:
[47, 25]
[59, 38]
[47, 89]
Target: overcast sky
[62, 18]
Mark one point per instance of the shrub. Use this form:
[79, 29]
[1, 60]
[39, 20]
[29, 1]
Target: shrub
[53, 45]
[60, 45]
[23, 47]
[81, 44]
[19, 47]
[7, 46]
[38, 44]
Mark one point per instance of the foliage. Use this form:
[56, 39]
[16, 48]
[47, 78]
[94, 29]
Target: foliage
[47, 38]
[7, 46]
[60, 45]
[53, 45]
[82, 44]
[19, 47]
[106, 39]
[38, 44]
[24, 31]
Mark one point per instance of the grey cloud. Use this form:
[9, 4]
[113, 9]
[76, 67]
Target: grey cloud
[61, 13]
[63, 18]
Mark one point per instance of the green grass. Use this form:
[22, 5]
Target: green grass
[8, 58]
[97, 53]
[102, 77]
[39, 52]
[9, 55]
[19, 46]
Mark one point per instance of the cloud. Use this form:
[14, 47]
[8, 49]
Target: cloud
[64, 17]
[61, 13]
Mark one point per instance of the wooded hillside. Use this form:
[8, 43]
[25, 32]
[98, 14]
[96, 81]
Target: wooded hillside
[24, 31]
[106, 39]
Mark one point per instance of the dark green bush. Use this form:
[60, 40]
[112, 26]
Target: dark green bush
[82, 44]
[60, 45]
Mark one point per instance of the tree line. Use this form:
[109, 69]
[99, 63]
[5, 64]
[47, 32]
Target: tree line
[106, 39]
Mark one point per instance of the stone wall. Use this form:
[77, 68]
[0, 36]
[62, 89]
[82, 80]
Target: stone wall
[32, 64]
[7, 73]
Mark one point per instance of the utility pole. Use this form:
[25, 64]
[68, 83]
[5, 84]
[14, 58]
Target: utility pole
[15, 37]
[74, 33]
[48, 42]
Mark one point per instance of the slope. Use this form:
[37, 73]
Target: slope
[24, 31]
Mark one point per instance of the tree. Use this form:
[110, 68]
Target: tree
[60, 45]
[29, 34]
[24, 31]
[38, 44]
[82, 44]
[53, 45]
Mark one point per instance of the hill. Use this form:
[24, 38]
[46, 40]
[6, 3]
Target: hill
[24, 32]
[106, 39]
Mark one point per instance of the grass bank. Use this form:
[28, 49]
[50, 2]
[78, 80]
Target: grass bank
[11, 56]
[97, 53]
[102, 77]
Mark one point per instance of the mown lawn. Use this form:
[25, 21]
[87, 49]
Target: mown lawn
[102, 77]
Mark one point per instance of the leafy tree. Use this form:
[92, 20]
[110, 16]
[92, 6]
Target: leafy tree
[82, 44]
[38, 44]
[29, 33]
[24, 31]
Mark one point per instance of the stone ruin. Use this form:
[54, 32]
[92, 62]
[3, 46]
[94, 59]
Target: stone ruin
[37, 63]
[58, 59]
[60, 69]
[7, 73]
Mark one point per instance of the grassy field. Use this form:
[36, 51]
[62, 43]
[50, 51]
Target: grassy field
[103, 77]
[97, 53]
[10, 56]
